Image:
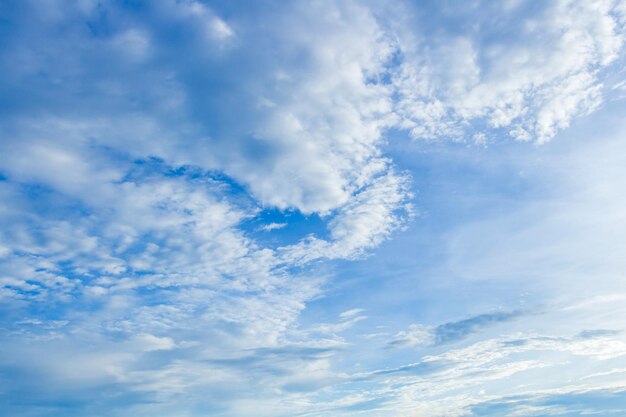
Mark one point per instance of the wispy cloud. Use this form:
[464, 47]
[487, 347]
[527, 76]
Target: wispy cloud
[449, 332]
[272, 226]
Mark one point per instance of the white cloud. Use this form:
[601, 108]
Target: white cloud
[351, 313]
[129, 137]
[149, 343]
[272, 226]
[316, 149]
[370, 217]
[493, 371]
[530, 69]
[416, 335]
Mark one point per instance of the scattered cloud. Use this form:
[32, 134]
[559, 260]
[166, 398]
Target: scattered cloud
[529, 74]
[138, 142]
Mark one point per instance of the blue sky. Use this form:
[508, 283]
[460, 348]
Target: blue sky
[229, 208]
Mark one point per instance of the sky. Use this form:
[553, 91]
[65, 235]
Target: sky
[312, 208]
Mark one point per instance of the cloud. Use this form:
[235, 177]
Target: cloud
[519, 366]
[347, 319]
[448, 332]
[272, 226]
[414, 336]
[360, 225]
[451, 332]
[138, 141]
[315, 148]
[524, 69]
[351, 313]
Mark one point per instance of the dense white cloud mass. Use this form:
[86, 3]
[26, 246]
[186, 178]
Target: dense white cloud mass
[179, 178]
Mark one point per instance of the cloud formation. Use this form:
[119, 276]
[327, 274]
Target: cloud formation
[519, 67]
[179, 180]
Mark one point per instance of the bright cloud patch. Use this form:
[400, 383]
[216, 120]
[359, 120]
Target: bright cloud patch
[525, 68]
